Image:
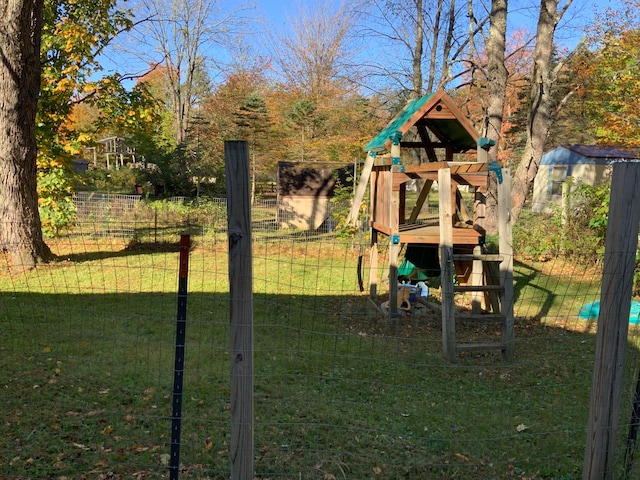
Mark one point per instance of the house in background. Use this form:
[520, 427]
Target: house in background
[590, 164]
[304, 192]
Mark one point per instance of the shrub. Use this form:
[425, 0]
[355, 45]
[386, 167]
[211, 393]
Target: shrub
[579, 233]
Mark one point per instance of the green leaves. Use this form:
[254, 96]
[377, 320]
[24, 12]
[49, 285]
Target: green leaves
[608, 77]
[74, 33]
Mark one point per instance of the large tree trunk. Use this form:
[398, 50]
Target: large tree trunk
[20, 227]
[540, 117]
[496, 86]
[417, 53]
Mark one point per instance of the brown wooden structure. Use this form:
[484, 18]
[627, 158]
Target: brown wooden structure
[434, 129]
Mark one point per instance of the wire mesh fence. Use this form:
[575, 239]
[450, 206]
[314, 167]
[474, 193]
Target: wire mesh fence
[129, 216]
[87, 359]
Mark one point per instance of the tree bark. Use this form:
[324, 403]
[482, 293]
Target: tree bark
[540, 118]
[496, 86]
[20, 230]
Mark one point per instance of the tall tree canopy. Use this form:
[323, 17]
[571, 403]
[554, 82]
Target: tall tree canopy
[542, 96]
[184, 36]
[608, 77]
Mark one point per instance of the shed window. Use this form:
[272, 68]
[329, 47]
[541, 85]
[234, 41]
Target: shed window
[558, 177]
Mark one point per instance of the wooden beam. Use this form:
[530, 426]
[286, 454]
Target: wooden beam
[402, 206]
[613, 323]
[422, 197]
[241, 442]
[506, 266]
[358, 196]
[476, 280]
[394, 247]
[373, 265]
[446, 265]
[461, 208]
[428, 145]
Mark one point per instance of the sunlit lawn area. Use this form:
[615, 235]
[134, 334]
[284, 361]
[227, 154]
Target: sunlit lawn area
[87, 370]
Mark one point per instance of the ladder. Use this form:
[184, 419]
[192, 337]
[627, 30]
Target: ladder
[490, 287]
[492, 279]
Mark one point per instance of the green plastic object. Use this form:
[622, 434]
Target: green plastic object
[409, 270]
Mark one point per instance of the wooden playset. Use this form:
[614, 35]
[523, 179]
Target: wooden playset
[431, 141]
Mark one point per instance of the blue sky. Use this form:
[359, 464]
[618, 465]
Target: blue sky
[275, 15]
[522, 14]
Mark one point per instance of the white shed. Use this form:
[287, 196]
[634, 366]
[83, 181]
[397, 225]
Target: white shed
[590, 164]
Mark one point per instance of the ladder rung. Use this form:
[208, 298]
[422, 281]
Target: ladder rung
[480, 346]
[485, 257]
[478, 288]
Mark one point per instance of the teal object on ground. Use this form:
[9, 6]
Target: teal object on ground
[592, 311]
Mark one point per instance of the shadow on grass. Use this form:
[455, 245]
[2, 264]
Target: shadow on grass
[524, 276]
[338, 391]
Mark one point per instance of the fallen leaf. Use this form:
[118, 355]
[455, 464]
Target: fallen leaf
[521, 428]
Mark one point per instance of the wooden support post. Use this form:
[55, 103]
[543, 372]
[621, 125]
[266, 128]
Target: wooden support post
[461, 209]
[373, 265]
[476, 281]
[506, 266]
[613, 322]
[236, 156]
[446, 265]
[454, 203]
[402, 204]
[422, 197]
[480, 206]
[394, 244]
[352, 219]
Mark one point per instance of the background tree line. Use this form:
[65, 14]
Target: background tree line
[315, 88]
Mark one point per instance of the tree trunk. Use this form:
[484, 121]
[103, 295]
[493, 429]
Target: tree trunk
[21, 230]
[496, 86]
[540, 117]
[417, 53]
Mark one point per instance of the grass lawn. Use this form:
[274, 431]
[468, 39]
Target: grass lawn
[87, 347]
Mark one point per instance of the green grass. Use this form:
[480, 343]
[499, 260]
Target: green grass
[87, 370]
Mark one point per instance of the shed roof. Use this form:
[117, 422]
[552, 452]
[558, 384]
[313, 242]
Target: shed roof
[577, 154]
[438, 113]
[312, 179]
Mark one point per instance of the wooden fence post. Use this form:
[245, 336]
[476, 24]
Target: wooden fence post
[241, 451]
[613, 322]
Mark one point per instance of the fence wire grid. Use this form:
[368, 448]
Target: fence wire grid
[87, 358]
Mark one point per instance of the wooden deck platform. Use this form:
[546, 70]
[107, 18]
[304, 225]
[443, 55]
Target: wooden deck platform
[429, 233]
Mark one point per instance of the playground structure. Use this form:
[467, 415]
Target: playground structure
[456, 158]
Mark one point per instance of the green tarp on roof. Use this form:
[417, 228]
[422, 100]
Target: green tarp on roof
[454, 130]
[412, 107]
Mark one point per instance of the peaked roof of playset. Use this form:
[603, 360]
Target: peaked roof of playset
[436, 112]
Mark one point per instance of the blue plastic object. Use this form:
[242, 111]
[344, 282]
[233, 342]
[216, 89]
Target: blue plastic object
[495, 167]
[592, 311]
